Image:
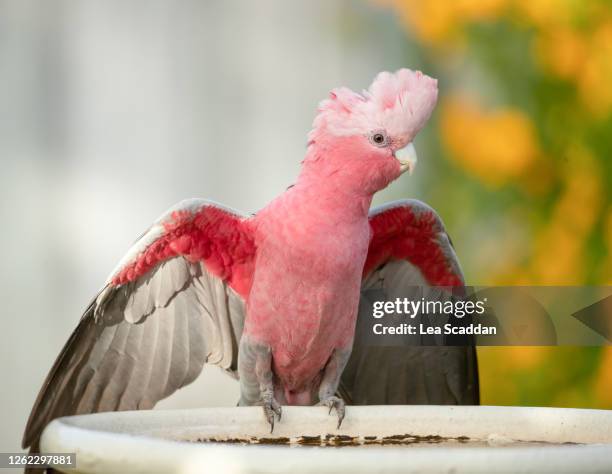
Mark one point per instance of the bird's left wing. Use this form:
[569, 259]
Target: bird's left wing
[174, 303]
[409, 248]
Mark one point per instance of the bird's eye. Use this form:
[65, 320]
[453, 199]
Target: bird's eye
[378, 139]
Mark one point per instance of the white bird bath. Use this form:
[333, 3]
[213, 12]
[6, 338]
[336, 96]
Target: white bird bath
[382, 439]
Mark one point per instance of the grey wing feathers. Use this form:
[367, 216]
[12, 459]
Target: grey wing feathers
[409, 374]
[138, 343]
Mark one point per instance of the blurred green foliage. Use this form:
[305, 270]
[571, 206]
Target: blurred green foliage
[519, 159]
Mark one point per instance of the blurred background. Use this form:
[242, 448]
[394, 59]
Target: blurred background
[113, 111]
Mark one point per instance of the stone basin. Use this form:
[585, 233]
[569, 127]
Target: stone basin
[382, 439]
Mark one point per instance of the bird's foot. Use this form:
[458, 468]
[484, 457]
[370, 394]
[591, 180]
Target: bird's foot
[272, 410]
[334, 403]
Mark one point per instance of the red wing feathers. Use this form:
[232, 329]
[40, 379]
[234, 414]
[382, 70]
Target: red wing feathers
[207, 233]
[410, 230]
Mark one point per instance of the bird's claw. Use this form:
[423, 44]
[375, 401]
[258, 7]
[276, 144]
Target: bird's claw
[271, 410]
[335, 403]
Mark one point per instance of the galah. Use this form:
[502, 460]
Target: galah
[273, 298]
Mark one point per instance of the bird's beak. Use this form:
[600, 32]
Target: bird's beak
[407, 157]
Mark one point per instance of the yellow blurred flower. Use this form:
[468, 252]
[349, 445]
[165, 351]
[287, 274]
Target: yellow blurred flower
[596, 76]
[603, 380]
[545, 13]
[583, 56]
[559, 250]
[435, 21]
[563, 50]
[605, 271]
[500, 367]
[557, 259]
[495, 366]
[527, 357]
[495, 146]
[608, 231]
[563, 44]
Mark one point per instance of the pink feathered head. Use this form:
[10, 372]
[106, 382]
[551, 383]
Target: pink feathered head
[398, 103]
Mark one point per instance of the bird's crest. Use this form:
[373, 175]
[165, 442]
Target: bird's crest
[398, 102]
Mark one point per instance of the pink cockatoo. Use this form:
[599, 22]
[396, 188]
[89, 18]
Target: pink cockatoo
[273, 298]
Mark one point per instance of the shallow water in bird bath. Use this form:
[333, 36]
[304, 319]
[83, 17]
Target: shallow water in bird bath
[407, 440]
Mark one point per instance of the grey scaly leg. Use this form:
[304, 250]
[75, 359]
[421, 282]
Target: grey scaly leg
[256, 378]
[331, 380]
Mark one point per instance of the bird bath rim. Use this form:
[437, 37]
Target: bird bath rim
[162, 440]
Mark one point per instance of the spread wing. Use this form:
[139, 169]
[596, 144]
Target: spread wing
[409, 247]
[174, 303]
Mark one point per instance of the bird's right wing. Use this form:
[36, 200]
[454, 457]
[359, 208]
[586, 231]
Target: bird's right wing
[174, 303]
